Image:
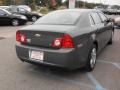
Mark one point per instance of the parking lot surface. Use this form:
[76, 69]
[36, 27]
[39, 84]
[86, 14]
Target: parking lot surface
[16, 75]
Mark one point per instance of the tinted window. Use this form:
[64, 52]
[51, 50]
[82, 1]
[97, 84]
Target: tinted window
[13, 9]
[22, 10]
[2, 12]
[103, 17]
[60, 18]
[96, 18]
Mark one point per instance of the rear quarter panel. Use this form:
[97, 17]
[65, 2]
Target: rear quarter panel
[82, 42]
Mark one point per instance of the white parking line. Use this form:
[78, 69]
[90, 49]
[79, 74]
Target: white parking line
[117, 65]
[95, 82]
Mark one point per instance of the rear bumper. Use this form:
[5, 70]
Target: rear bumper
[65, 58]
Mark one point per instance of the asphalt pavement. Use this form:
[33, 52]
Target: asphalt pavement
[16, 75]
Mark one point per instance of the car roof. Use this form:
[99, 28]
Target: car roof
[2, 9]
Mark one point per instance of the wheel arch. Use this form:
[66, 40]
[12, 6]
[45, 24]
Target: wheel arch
[15, 19]
[96, 43]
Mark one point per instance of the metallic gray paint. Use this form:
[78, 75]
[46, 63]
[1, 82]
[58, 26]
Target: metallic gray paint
[82, 33]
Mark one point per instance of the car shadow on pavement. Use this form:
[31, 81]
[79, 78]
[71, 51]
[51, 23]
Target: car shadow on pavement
[77, 77]
[55, 70]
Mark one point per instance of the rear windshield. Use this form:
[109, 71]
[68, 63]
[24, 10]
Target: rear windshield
[60, 18]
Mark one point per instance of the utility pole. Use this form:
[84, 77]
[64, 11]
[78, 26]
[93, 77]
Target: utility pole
[100, 2]
[71, 4]
[84, 3]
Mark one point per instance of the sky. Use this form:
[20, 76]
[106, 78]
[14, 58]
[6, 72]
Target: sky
[110, 2]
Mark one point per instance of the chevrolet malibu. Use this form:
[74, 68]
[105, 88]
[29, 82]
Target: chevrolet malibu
[68, 39]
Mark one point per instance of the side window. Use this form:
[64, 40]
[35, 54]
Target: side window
[96, 18]
[103, 17]
[22, 10]
[14, 10]
[91, 20]
[2, 13]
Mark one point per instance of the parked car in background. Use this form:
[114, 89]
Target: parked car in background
[118, 11]
[13, 19]
[113, 10]
[101, 8]
[65, 38]
[31, 16]
[4, 7]
[117, 21]
[25, 7]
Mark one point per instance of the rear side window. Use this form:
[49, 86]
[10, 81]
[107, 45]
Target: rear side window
[2, 13]
[22, 10]
[91, 20]
[103, 17]
[14, 10]
[96, 18]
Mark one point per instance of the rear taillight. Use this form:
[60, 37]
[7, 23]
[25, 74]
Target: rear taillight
[67, 41]
[63, 42]
[20, 37]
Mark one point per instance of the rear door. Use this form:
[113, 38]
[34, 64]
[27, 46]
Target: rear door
[108, 26]
[101, 30]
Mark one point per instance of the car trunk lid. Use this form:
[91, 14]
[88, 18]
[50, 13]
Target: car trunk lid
[44, 35]
[40, 38]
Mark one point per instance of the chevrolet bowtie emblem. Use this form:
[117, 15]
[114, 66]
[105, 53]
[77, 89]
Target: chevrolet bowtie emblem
[37, 35]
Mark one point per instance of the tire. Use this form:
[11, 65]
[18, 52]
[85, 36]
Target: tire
[111, 39]
[15, 22]
[34, 18]
[91, 62]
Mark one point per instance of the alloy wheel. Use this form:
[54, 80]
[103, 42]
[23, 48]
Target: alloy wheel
[93, 58]
[34, 18]
[15, 22]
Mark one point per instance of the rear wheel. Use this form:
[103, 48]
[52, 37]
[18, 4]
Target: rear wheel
[91, 59]
[15, 22]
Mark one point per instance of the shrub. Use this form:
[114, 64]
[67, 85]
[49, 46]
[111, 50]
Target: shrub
[61, 7]
[44, 10]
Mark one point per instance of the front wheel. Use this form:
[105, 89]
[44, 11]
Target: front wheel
[91, 59]
[34, 18]
[15, 22]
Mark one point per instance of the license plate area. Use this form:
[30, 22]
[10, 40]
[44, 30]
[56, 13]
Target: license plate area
[36, 55]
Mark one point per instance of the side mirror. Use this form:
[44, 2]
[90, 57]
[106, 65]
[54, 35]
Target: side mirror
[109, 20]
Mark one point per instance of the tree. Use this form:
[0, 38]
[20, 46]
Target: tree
[59, 2]
[43, 2]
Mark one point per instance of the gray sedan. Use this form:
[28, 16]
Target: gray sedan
[65, 38]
